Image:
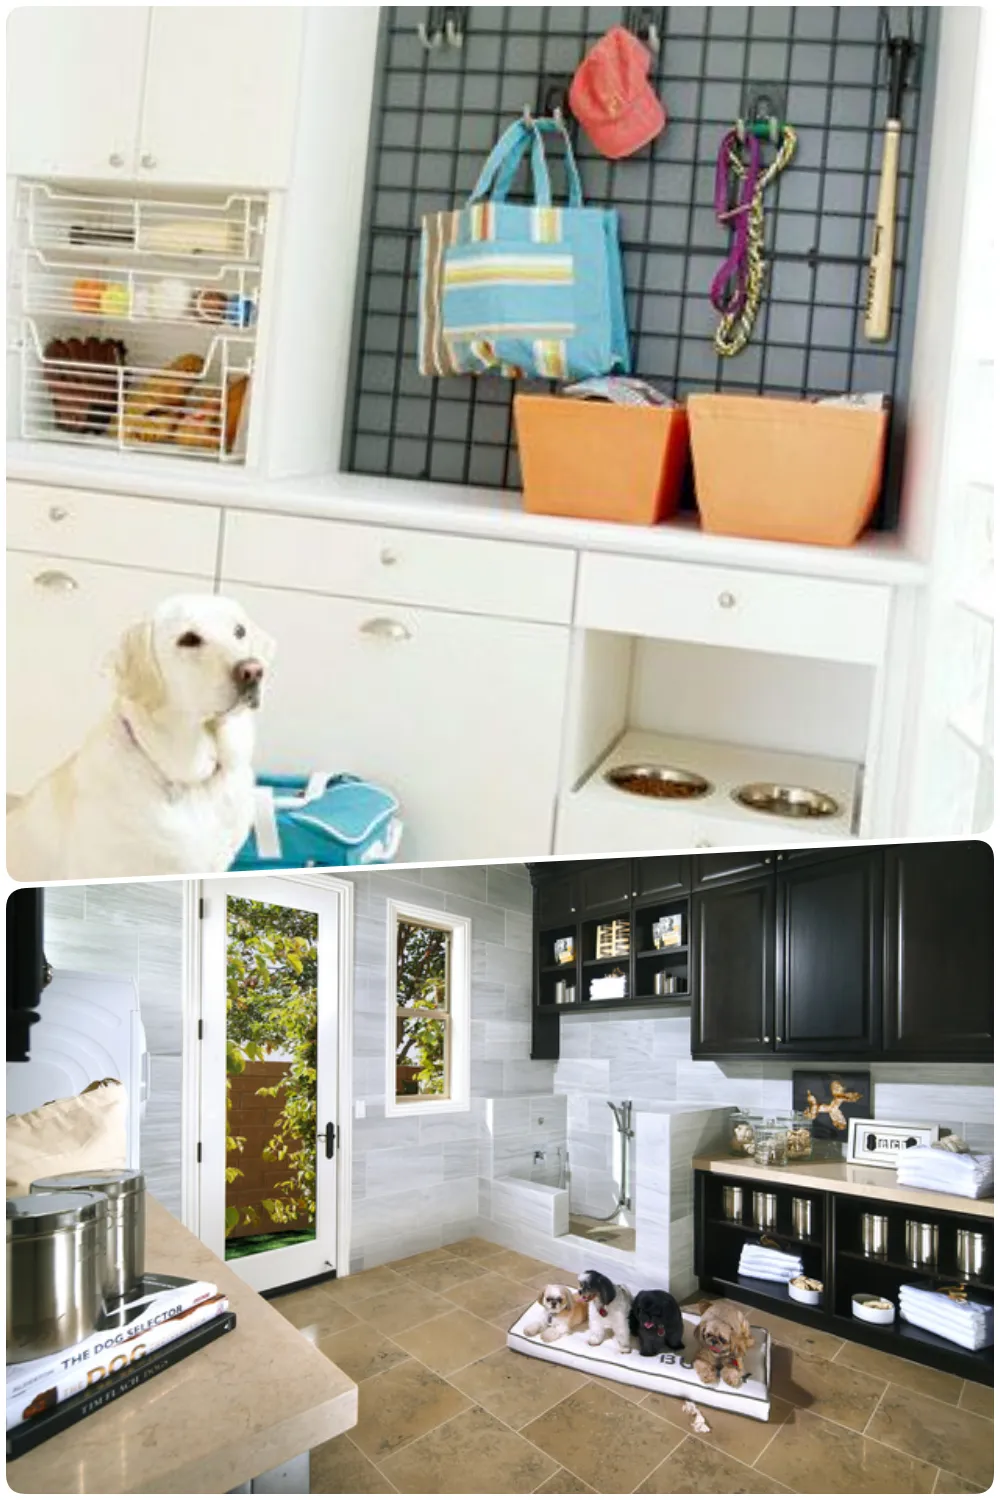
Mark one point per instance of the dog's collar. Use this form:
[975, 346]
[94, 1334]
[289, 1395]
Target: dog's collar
[172, 788]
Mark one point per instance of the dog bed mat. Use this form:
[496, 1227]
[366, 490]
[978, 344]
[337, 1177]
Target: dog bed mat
[670, 1374]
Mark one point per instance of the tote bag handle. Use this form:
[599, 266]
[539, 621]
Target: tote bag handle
[504, 160]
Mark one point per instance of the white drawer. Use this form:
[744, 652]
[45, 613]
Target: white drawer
[402, 567]
[792, 616]
[102, 527]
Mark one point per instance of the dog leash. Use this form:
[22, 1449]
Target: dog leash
[744, 269]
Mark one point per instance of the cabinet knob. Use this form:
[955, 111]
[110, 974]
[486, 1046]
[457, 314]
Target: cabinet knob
[56, 582]
[385, 629]
[767, 1039]
[116, 159]
[727, 600]
[777, 1040]
[147, 160]
[703, 844]
[58, 512]
[388, 558]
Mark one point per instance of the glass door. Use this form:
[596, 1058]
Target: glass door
[268, 1171]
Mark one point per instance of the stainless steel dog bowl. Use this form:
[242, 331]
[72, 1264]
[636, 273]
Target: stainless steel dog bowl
[786, 801]
[668, 783]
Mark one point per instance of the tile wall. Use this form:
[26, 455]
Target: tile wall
[134, 930]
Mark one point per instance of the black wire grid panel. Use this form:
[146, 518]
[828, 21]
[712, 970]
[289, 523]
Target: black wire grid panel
[437, 113]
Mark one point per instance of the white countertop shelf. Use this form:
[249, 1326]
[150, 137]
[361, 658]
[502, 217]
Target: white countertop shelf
[459, 509]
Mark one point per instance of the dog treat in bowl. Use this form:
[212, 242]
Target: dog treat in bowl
[871, 1308]
[806, 1289]
[665, 782]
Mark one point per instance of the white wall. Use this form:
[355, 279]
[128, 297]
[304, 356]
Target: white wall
[134, 930]
[648, 1059]
[416, 1181]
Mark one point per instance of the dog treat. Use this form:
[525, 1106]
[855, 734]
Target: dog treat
[799, 1143]
[82, 377]
[807, 1284]
[151, 408]
[698, 1423]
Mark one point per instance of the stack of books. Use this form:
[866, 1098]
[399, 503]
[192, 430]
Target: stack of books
[164, 1320]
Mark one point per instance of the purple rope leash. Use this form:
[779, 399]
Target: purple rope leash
[728, 292]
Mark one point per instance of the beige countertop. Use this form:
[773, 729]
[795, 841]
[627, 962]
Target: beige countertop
[254, 1399]
[840, 1177]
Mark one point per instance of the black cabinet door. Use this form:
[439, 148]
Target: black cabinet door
[661, 875]
[733, 1010]
[557, 901]
[829, 957]
[716, 869]
[939, 951]
[605, 886]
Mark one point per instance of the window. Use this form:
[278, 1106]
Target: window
[427, 1003]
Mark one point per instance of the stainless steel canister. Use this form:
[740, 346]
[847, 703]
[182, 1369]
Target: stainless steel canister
[765, 1210]
[921, 1243]
[802, 1218]
[971, 1252]
[874, 1234]
[732, 1203]
[125, 1190]
[56, 1244]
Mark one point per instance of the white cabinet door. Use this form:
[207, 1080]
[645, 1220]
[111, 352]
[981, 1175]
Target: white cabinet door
[221, 95]
[63, 621]
[459, 715]
[74, 83]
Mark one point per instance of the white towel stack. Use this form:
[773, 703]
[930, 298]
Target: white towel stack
[946, 1172]
[967, 1323]
[768, 1265]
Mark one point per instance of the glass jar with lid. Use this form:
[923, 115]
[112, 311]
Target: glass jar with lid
[741, 1134]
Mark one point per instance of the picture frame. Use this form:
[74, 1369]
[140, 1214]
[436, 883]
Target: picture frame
[879, 1143]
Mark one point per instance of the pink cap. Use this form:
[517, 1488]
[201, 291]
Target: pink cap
[612, 97]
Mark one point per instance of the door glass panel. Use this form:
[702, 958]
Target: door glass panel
[271, 972]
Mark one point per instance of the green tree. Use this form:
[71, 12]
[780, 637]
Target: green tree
[271, 971]
[422, 977]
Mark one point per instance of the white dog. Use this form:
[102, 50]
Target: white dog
[560, 1312]
[607, 1309]
[164, 784]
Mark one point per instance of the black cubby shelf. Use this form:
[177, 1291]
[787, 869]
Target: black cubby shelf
[843, 1268]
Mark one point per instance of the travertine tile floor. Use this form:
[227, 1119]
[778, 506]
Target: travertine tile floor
[445, 1407]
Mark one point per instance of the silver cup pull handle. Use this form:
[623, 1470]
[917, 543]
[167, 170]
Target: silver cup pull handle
[56, 582]
[385, 629]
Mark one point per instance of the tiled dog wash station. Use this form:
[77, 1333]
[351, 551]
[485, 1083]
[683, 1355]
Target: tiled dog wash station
[221, 385]
[706, 1142]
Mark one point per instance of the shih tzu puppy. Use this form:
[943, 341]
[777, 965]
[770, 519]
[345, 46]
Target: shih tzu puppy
[723, 1337]
[655, 1320]
[560, 1312]
[607, 1309]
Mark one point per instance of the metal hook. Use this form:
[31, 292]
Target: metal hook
[646, 23]
[430, 40]
[454, 35]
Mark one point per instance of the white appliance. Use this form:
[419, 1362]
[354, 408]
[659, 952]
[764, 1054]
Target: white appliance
[89, 1028]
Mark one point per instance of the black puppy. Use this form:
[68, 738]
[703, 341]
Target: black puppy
[655, 1320]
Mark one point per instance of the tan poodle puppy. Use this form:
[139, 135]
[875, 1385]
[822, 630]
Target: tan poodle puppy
[723, 1337]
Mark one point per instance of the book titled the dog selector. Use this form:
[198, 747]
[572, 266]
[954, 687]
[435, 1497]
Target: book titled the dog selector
[162, 1308]
[55, 1419]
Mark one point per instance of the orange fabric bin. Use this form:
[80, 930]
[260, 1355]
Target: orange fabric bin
[599, 461]
[786, 471]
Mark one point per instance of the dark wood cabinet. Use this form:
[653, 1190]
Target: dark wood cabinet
[733, 970]
[661, 875]
[829, 960]
[605, 886]
[939, 951]
[718, 869]
[557, 900]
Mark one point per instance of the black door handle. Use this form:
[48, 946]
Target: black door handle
[330, 1136]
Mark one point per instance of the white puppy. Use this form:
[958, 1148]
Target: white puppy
[607, 1309]
[560, 1311]
[164, 783]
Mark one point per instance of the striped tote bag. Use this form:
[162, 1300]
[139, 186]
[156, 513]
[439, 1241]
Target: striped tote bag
[522, 289]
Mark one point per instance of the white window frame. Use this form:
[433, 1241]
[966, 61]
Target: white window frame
[460, 1009]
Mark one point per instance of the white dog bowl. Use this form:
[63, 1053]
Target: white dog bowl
[805, 1294]
[867, 1306]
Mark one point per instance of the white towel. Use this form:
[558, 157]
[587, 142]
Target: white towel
[768, 1265]
[969, 1324]
[946, 1172]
